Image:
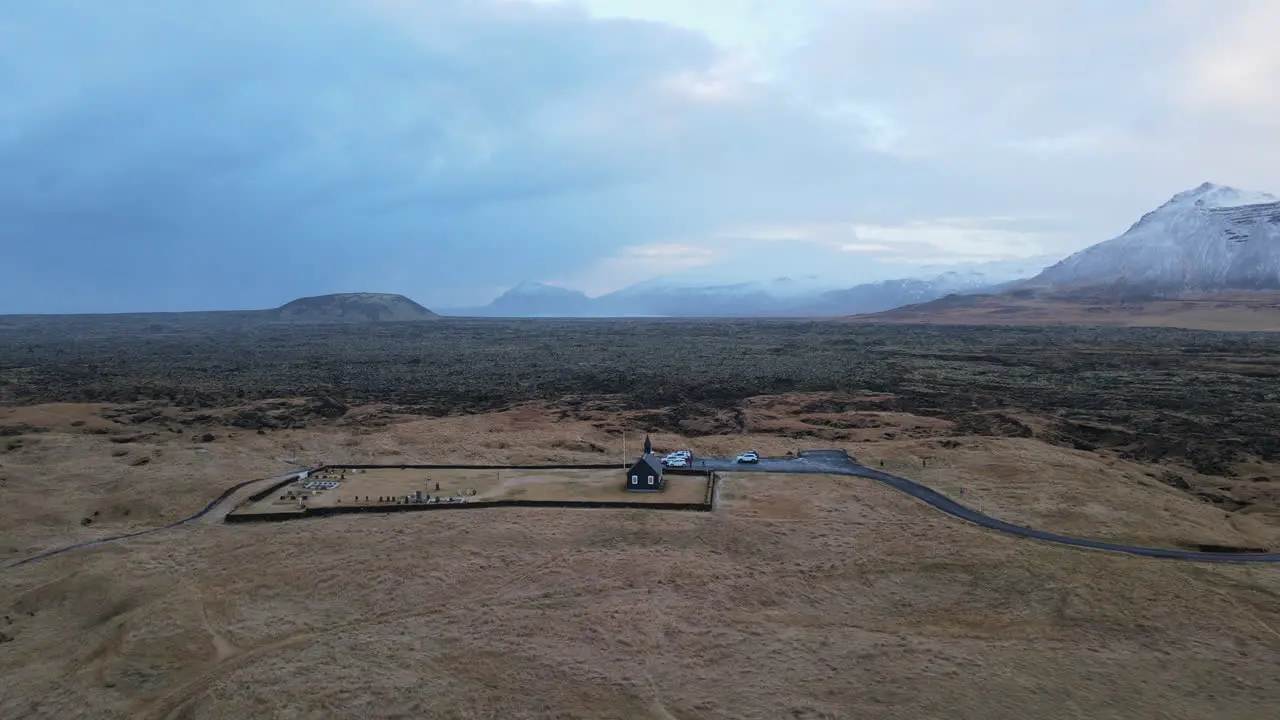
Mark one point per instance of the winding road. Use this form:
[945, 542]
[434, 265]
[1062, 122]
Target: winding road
[838, 462]
[824, 462]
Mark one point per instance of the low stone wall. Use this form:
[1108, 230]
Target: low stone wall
[274, 487]
[420, 507]
[598, 466]
[713, 480]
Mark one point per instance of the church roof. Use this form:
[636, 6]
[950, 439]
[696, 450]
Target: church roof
[651, 461]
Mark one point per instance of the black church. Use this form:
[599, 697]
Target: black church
[646, 474]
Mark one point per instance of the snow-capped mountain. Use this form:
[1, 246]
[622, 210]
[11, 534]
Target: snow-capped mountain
[1209, 238]
[990, 277]
[534, 299]
[985, 274]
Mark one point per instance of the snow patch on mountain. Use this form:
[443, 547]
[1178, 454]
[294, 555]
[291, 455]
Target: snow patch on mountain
[1211, 195]
[1211, 237]
[539, 289]
[791, 286]
[985, 274]
[536, 299]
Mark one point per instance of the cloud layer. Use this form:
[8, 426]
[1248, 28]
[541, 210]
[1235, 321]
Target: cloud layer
[239, 154]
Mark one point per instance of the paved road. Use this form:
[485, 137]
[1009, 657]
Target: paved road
[837, 462]
[205, 511]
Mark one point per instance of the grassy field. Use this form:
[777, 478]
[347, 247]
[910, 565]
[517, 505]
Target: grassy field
[801, 597]
[804, 596]
[603, 485]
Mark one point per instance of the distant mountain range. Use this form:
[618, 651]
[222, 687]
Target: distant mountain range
[1211, 238]
[779, 297]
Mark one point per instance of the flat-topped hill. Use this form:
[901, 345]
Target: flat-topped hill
[354, 307]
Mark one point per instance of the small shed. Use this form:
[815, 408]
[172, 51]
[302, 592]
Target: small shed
[645, 475]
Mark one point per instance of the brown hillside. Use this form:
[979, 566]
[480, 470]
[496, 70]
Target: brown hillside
[1235, 312]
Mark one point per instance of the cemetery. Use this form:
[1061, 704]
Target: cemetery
[332, 490]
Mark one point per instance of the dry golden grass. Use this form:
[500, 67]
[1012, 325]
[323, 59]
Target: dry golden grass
[801, 597]
[589, 485]
[1073, 492]
[1259, 313]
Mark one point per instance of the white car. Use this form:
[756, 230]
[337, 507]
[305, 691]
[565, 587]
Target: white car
[674, 461]
[686, 454]
[749, 456]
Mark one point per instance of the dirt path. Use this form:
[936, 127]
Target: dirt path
[216, 510]
[222, 647]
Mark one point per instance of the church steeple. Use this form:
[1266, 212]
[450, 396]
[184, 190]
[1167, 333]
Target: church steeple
[648, 446]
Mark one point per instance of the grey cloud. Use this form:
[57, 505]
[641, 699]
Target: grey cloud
[424, 148]
[242, 153]
[969, 82]
[304, 131]
[1000, 68]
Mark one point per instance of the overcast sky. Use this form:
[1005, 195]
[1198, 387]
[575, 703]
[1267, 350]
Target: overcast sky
[240, 153]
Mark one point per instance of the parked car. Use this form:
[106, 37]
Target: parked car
[749, 456]
[686, 454]
[675, 462]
